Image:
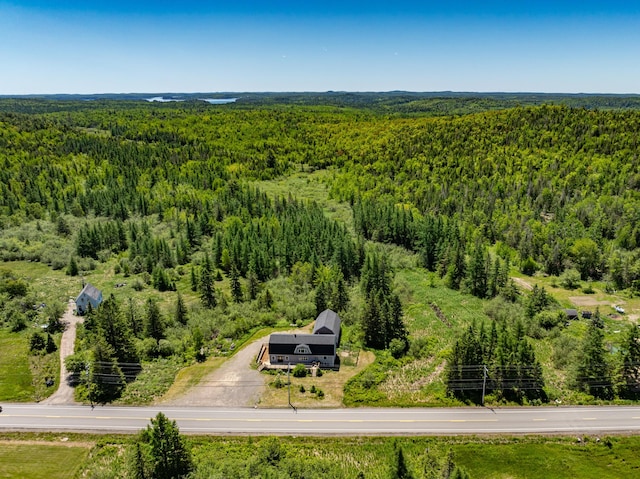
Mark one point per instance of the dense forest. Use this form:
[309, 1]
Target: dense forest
[475, 188]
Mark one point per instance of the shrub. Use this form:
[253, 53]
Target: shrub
[588, 289]
[550, 319]
[36, 343]
[300, 371]
[529, 266]
[397, 347]
[51, 344]
[570, 279]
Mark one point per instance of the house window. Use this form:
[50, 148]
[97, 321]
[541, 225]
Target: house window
[304, 358]
[279, 359]
[302, 349]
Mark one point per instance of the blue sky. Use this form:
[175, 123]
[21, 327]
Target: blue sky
[122, 46]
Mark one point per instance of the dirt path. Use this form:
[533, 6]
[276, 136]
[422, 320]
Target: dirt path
[522, 283]
[233, 384]
[64, 394]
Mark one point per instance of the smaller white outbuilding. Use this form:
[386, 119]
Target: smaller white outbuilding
[90, 295]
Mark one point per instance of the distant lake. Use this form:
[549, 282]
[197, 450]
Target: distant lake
[213, 101]
[162, 99]
[219, 101]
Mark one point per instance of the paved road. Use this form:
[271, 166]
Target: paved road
[354, 422]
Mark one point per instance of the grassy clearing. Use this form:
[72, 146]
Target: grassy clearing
[310, 186]
[152, 382]
[49, 285]
[331, 383]
[51, 460]
[189, 377]
[576, 298]
[484, 458]
[45, 367]
[15, 375]
[615, 457]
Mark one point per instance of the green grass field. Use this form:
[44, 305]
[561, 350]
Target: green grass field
[32, 456]
[41, 461]
[552, 459]
[15, 375]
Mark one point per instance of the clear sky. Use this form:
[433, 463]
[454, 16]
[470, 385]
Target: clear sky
[122, 46]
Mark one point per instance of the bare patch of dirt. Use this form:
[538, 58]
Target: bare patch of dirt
[584, 301]
[522, 283]
[431, 377]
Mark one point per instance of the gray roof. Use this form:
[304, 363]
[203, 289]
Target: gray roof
[286, 344]
[309, 339]
[91, 291]
[327, 322]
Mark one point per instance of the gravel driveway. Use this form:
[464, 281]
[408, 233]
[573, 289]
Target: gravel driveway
[234, 384]
[64, 394]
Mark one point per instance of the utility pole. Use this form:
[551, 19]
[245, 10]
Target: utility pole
[484, 381]
[289, 388]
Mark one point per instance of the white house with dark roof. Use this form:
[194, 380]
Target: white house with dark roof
[319, 348]
[90, 295]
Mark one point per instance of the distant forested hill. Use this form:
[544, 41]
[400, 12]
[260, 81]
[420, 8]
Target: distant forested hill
[543, 180]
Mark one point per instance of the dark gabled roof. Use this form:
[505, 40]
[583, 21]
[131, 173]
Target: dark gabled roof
[571, 312]
[91, 291]
[280, 343]
[296, 339]
[327, 322]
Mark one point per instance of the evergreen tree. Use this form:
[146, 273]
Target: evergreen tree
[457, 269]
[62, 227]
[132, 318]
[341, 300]
[537, 302]
[592, 374]
[382, 316]
[180, 315]
[51, 344]
[236, 287]
[36, 342]
[154, 324]
[171, 459]
[465, 368]
[253, 285]
[477, 273]
[630, 387]
[193, 279]
[72, 268]
[399, 469]
[161, 279]
[321, 298]
[115, 330]
[105, 381]
[207, 291]
[138, 464]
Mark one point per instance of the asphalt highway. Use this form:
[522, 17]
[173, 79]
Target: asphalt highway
[350, 422]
